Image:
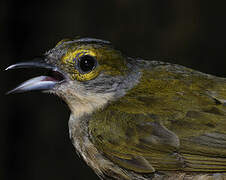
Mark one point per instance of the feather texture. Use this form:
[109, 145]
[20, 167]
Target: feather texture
[173, 119]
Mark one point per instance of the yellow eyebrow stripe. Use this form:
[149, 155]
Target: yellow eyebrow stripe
[71, 55]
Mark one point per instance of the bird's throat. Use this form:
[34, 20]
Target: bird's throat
[81, 105]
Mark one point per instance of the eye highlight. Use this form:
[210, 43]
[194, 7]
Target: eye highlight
[86, 63]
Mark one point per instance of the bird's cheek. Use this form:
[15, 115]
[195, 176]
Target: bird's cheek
[111, 71]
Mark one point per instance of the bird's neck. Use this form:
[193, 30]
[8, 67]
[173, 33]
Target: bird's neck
[85, 105]
[81, 103]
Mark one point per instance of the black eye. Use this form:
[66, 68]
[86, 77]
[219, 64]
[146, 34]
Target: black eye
[87, 63]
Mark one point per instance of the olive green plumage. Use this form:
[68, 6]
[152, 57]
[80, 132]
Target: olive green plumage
[174, 118]
[137, 119]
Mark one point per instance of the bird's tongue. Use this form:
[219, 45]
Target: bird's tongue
[37, 83]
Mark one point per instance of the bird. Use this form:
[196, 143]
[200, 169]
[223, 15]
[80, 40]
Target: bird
[133, 118]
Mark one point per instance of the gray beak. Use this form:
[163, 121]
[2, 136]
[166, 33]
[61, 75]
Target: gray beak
[40, 82]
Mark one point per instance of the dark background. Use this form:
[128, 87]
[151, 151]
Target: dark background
[34, 141]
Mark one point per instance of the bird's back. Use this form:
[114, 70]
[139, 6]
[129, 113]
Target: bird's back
[173, 120]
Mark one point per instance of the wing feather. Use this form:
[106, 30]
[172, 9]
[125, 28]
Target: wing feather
[174, 119]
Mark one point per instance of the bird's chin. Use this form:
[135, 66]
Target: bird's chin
[45, 83]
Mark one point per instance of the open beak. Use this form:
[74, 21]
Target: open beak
[55, 76]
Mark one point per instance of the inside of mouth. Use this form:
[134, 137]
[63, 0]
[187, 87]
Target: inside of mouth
[54, 76]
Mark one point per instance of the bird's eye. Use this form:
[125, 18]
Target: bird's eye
[87, 63]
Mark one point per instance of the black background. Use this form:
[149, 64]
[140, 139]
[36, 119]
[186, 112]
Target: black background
[33, 127]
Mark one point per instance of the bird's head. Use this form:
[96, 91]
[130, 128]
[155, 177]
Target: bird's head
[86, 73]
